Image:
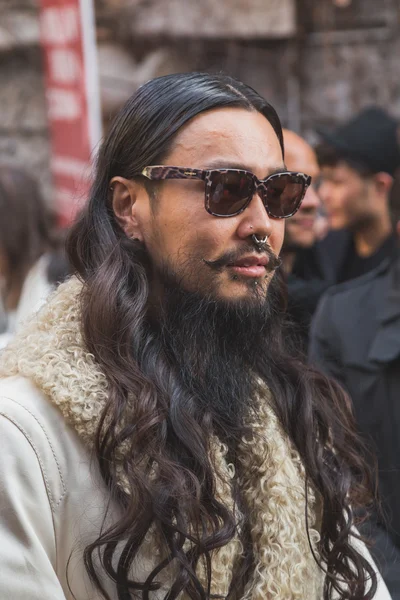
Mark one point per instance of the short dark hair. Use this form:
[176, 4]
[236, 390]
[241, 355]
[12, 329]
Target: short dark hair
[329, 156]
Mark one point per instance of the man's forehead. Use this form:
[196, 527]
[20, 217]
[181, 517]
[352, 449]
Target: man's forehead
[224, 138]
[306, 163]
[341, 168]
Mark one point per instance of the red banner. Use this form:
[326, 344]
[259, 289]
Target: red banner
[68, 40]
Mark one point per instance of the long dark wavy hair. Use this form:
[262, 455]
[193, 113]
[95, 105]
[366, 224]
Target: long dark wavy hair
[313, 411]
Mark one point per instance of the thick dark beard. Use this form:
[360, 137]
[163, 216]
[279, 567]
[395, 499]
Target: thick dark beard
[214, 346]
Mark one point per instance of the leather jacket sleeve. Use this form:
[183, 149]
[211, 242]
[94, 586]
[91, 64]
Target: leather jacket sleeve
[323, 348]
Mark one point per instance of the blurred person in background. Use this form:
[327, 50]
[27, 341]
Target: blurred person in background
[158, 439]
[303, 264]
[356, 339]
[31, 258]
[357, 161]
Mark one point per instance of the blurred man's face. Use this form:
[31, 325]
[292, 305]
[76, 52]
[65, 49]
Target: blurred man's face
[349, 199]
[186, 241]
[301, 231]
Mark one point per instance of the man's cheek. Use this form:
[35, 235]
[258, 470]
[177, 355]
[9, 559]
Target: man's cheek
[292, 226]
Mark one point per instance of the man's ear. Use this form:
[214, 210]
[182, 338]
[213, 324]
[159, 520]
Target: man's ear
[124, 196]
[383, 183]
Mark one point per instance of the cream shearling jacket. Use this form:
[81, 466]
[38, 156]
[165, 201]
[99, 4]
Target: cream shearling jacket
[52, 498]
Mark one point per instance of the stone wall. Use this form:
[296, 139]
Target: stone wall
[349, 59]
[23, 124]
[317, 65]
[342, 55]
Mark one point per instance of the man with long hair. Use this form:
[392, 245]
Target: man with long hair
[158, 439]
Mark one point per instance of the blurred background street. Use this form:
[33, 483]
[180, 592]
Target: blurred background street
[317, 61]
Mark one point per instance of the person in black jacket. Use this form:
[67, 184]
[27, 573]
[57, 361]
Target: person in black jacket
[303, 265]
[357, 162]
[355, 338]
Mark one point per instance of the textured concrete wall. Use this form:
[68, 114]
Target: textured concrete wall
[23, 124]
[349, 59]
[341, 79]
[211, 19]
[341, 59]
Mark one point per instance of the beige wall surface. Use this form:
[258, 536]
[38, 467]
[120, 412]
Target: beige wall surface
[208, 18]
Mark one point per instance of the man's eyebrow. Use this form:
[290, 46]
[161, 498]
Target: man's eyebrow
[280, 169]
[218, 164]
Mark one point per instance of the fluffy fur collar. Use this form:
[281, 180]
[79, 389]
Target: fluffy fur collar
[50, 352]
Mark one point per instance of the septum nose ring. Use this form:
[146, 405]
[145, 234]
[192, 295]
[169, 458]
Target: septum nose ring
[260, 243]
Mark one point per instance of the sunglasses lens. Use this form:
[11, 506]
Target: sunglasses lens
[228, 192]
[284, 195]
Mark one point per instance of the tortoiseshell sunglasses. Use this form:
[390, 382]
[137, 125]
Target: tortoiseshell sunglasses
[228, 192]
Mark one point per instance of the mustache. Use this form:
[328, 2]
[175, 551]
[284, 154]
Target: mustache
[274, 261]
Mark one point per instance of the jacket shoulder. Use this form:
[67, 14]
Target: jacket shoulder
[56, 445]
[359, 284]
[331, 252]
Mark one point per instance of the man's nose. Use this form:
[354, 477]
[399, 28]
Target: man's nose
[255, 220]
